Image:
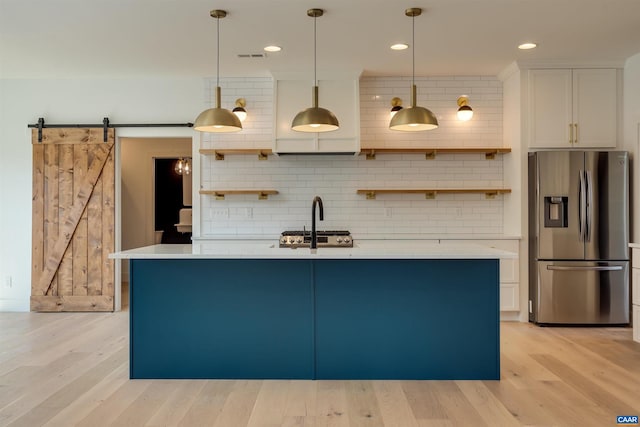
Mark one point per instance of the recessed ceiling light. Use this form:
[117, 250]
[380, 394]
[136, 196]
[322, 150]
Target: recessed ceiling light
[526, 46]
[273, 48]
[400, 46]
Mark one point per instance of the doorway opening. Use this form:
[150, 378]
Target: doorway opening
[136, 190]
[172, 202]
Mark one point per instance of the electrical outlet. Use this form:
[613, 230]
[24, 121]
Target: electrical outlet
[388, 212]
[219, 213]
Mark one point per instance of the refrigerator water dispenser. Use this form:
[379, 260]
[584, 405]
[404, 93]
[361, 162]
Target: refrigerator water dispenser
[555, 211]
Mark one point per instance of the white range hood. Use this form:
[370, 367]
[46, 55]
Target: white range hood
[338, 93]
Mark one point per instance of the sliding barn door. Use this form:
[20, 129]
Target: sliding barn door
[73, 220]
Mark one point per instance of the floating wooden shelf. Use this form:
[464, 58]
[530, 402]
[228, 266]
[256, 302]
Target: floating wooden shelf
[262, 194]
[219, 154]
[490, 193]
[430, 153]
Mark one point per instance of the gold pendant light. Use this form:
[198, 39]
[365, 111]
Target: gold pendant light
[413, 118]
[315, 119]
[217, 119]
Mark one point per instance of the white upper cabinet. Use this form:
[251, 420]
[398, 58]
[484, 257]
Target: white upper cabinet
[573, 108]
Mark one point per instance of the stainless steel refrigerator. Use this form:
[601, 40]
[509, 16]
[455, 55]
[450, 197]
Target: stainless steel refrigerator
[578, 237]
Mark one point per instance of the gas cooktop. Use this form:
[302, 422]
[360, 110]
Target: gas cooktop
[326, 239]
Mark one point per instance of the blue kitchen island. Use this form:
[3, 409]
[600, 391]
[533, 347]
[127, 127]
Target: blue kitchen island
[252, 311]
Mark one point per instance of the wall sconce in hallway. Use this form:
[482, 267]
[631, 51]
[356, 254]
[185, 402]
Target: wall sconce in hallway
[183, 166]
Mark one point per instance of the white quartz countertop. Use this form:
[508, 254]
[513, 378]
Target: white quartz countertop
[363, 249]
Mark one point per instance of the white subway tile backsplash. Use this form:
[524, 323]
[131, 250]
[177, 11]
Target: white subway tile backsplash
[337, 178]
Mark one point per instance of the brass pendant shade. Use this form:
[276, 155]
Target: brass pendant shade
[414, 118]
[217, 119]
[315, 118]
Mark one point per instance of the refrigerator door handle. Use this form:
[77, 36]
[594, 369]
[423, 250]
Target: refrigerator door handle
[589, 207]
[580, 268]
[582, 206]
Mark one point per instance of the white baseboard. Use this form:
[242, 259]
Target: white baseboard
[13, 305]
[510, 316]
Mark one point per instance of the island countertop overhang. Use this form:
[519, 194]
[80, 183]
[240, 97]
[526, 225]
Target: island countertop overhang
[363, 249]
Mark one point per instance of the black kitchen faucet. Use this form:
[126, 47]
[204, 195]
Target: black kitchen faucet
[314, 235]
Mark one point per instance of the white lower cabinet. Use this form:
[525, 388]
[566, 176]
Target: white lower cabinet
[635, 293]
[509, 271]
[509, 296]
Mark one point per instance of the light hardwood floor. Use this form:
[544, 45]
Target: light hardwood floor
[67, 369]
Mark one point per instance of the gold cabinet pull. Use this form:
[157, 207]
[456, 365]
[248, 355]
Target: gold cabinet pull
[575, 125]
[570, 133]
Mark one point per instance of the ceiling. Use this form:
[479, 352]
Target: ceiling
[177, 38]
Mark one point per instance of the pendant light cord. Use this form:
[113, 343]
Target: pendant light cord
[413, 50]
[218, 55]
[315, 38]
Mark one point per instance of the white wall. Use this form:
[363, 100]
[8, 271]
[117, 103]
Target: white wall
[22, 101]
[631, 133]
[337, 178]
